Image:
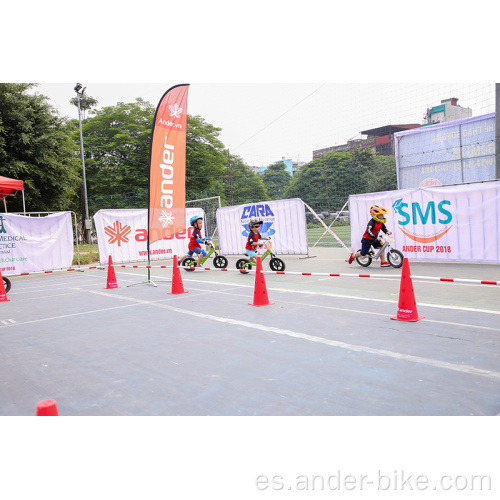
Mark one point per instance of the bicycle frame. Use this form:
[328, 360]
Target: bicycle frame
[380, 250]
[209, 254]
[263, 257]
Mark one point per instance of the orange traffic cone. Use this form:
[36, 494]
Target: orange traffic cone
[407, 307]
[47, 408]
[3, 293]
[111, 275]
[177, 286]
[260, 297]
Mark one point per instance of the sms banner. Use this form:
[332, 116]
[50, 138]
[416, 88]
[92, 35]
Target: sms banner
[447, 223]
[123, 234]
[35, 243]
[283, 220]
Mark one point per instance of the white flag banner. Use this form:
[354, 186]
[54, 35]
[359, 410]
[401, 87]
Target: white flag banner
[446, 223]
[35, 243]
[283, 220]
[123, 234]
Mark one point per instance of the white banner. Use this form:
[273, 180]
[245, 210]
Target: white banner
[447, 223]
[284, 221]
[123, 234]
[35, 243]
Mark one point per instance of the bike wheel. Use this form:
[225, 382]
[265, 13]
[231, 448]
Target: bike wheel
[242, 264]
[6, 284]
[364, 261]
[276, 264]
[220, 262]
[395, 258]
[187, 263]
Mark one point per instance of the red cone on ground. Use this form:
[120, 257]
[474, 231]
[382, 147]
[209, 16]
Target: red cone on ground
[260, 297]
[3, 293]
[111, 275]
[47, 408]
[407, 307]
[177, 286]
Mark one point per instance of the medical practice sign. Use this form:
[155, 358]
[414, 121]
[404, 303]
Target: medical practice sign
[450, 223]
[35, 243]
[283, 220]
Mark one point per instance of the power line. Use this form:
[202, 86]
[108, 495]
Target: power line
[276, 119]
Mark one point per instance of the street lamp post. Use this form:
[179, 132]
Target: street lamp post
[88, 223]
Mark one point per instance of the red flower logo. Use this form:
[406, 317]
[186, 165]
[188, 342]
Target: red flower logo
[117, 233]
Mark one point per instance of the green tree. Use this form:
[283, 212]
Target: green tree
[276, 180]
[35, 147]
[116, 145]
[86, 103]
[326, 182]
[117, 142]
[243, 185]
[205, 159]
[382, 176]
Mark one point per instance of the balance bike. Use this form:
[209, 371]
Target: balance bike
[276, 264]
[220, 262]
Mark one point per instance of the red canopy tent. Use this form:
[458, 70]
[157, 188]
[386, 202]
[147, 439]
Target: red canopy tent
[9, 187]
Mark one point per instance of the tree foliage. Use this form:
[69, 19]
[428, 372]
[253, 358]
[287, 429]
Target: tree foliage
[116, 146]
[328, 181]
[86, 103]
[276, 180]
[117, 142]
[383, 176]
[35, 147]
[245, 186]
[205, 159]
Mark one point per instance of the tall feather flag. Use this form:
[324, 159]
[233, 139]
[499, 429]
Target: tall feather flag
[167, 166]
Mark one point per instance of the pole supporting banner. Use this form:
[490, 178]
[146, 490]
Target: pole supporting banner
[167, 166]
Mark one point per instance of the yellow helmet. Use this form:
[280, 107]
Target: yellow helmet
[377, 212]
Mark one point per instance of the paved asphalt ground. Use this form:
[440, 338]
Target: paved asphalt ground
[327, 346]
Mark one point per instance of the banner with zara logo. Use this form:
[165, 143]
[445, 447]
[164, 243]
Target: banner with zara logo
[283, 220]
[447, 223]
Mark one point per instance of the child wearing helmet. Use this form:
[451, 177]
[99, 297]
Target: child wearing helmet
[253, 238]
[195, 241]
[371, 236]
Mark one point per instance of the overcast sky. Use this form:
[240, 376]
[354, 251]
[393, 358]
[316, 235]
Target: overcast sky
[264, 123]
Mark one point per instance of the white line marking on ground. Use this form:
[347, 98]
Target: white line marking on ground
[68, 315]
[358, 311]
[470, 370]
[354, 297]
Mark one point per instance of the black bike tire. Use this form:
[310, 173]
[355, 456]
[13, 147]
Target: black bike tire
[240, 263]
[220, 262]
[276, 264]
[186, 263]
[7, 284]
[366, 260]
[400, 256]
